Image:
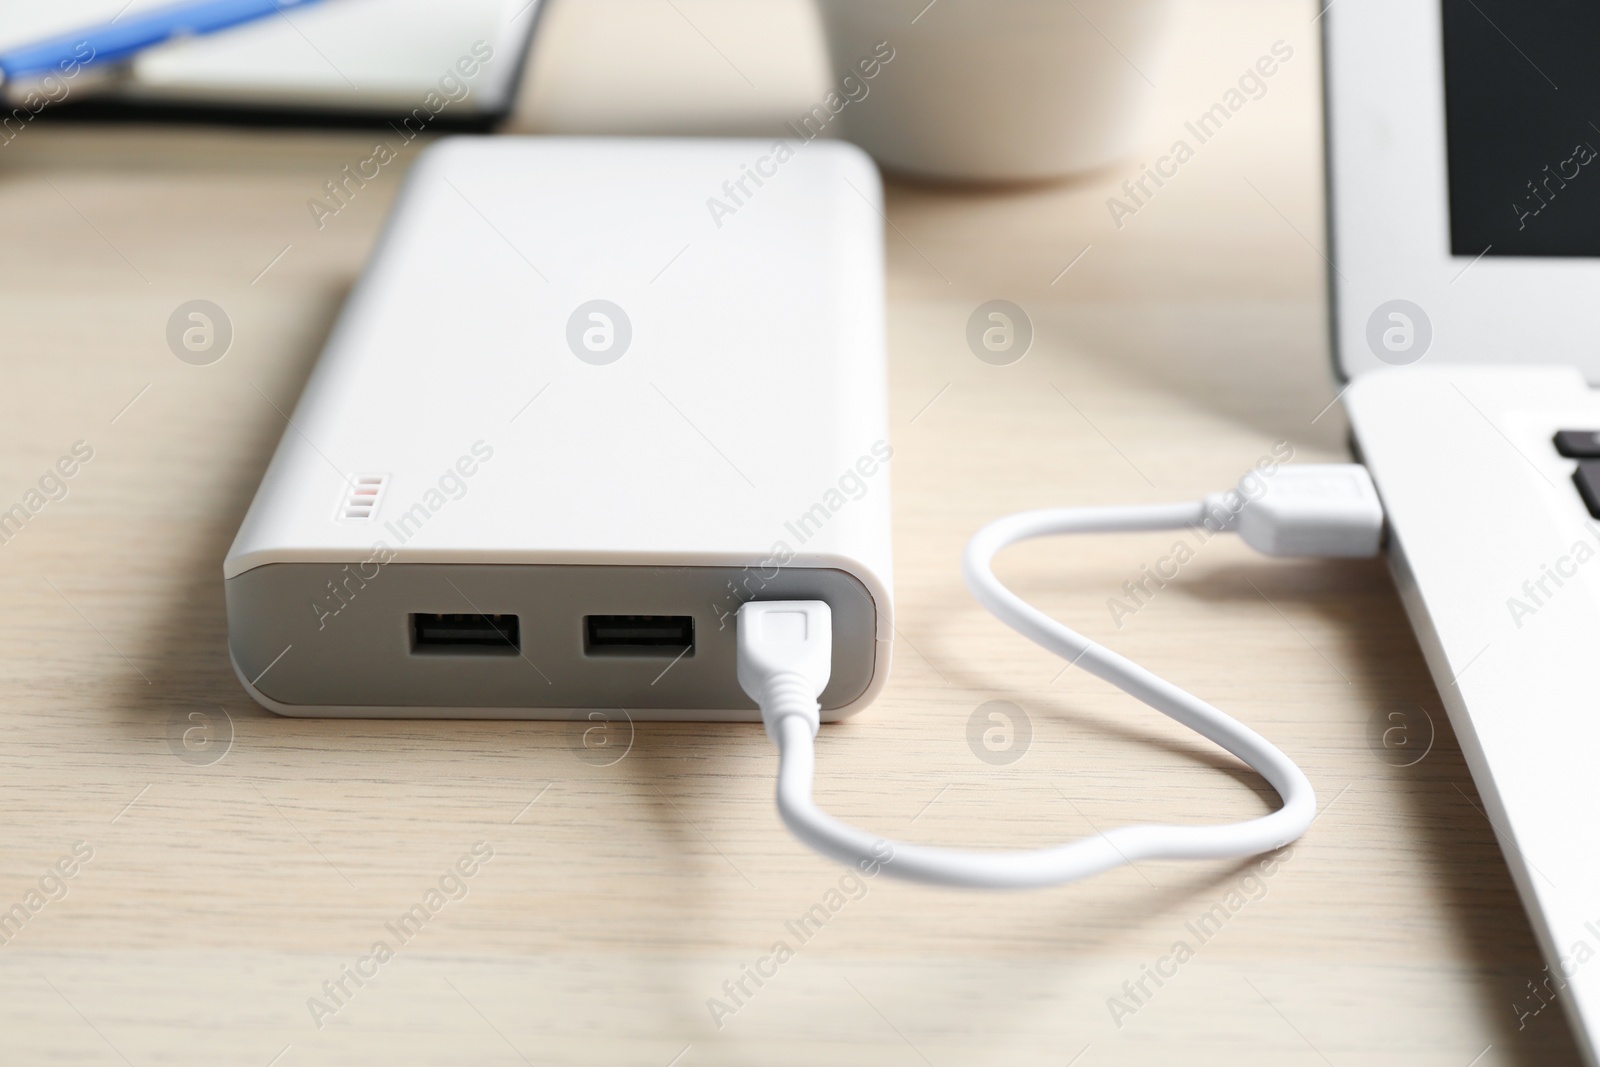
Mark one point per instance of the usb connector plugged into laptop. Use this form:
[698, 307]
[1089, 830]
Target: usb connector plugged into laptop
[1326, 510]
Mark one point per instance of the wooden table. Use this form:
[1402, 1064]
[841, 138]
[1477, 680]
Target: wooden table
[223, 893]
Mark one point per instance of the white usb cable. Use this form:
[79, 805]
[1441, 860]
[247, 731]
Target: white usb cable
[785, 649]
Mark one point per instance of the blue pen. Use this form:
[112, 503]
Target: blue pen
[125, 37]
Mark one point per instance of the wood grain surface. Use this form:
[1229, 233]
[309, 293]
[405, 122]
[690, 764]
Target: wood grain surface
[618, 892]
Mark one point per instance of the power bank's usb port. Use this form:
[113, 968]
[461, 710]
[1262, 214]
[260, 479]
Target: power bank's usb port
[638, 635]
[465, 633]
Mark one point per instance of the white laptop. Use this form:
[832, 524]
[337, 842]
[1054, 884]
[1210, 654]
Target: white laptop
[1464, 201]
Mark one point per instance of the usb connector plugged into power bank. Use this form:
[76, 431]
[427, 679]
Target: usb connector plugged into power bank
[606, 417]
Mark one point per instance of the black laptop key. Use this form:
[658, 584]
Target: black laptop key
[1588, 478]
[1578, 444]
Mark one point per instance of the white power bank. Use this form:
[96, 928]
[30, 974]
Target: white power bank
[589, 397]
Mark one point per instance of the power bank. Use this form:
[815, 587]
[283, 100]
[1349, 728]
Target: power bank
[589, 397]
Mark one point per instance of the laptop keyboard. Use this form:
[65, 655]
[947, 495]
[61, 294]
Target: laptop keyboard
[1583, 446]
[1578, 444]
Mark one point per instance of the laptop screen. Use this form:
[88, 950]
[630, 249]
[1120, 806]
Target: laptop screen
[1522, 107]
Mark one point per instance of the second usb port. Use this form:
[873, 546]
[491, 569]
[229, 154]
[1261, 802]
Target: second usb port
[638, 635]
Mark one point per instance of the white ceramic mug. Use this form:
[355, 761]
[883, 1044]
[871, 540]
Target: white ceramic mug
[992, 90]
